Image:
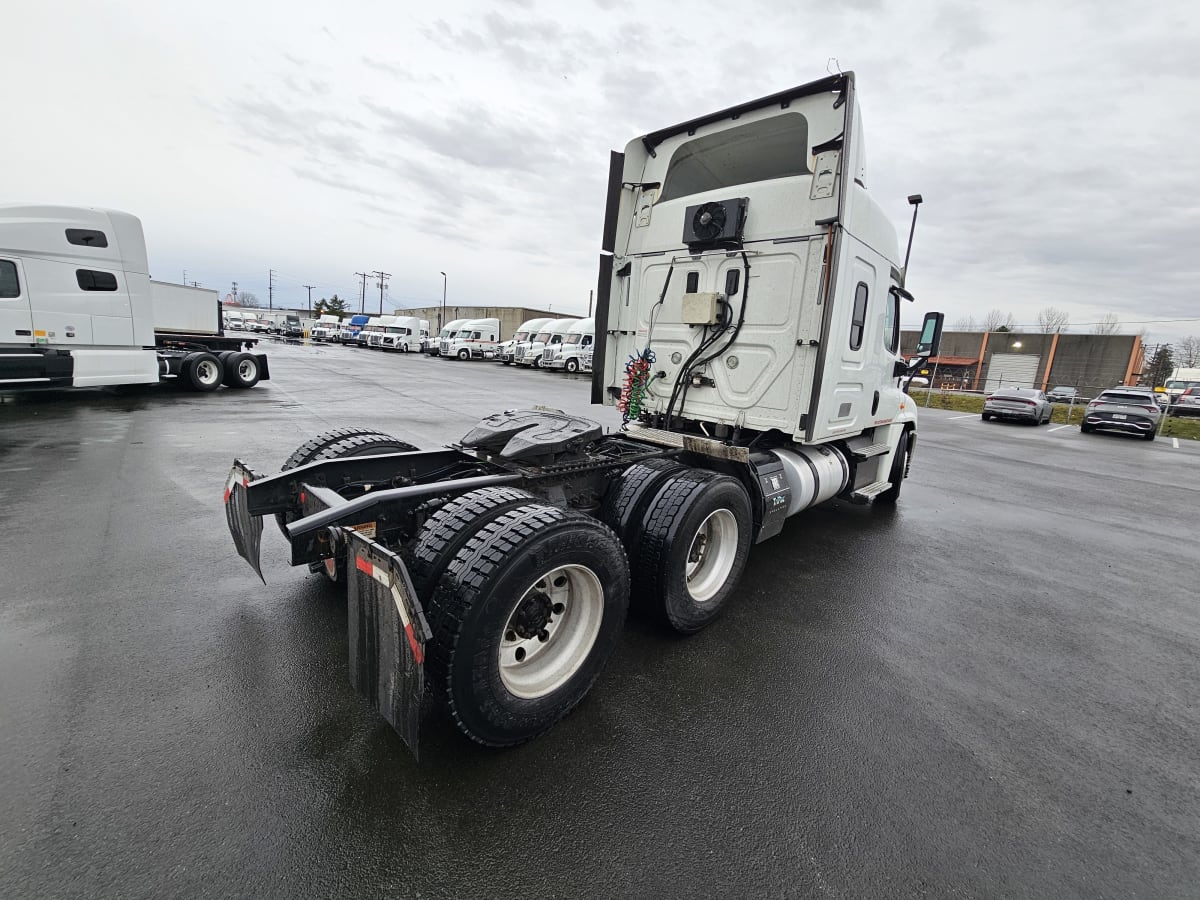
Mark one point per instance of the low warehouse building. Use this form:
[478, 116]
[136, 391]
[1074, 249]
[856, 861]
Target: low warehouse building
[985, 361]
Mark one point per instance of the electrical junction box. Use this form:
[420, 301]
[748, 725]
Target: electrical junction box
[700, 309]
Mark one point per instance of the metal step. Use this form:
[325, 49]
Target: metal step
[868, 493]
[870, 450]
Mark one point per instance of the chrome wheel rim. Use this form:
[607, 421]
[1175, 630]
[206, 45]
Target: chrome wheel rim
[711, 556]
[550, 631]
[247, 369]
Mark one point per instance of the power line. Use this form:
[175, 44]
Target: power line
[383, 277]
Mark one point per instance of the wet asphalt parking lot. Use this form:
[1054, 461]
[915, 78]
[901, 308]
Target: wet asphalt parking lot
[991, 690]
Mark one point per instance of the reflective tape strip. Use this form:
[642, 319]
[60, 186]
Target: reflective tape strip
[383, 576]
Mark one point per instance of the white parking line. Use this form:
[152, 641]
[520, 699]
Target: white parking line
[964, 417]
[1175, 443]
[1061, 427]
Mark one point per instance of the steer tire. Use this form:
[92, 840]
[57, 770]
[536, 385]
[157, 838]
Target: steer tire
[242, 370]
[899, 470]
[628, 495]
[685, 509]
[449, 529]
[536, 570]
[202, 371]
[571, 366]
[338, 444]
[464, 355]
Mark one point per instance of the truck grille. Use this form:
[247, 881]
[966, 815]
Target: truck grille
[444, 347]
[548, 354]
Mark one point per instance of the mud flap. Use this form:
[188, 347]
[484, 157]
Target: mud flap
[388, 633]
[245, 528]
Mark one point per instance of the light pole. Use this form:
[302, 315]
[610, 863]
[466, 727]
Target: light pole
[442, 320]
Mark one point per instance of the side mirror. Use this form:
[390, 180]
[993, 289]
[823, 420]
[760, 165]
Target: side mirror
[899, 369]
[931, 335]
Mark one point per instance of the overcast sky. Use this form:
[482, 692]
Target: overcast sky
[1055, 143]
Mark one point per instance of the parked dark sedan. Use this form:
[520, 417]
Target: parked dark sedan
[1020, 404]
[1130, 410]
[1062, 394]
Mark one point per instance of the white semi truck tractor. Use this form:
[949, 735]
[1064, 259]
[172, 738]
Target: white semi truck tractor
[747, 327]
[507, 351]
[78, 309]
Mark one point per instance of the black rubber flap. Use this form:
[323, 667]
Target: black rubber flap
[388, 633]
[245, 528]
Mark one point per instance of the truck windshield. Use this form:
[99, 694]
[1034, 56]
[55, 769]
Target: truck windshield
[757, 151]
[519, 336]
[573, 339]
[542, 337]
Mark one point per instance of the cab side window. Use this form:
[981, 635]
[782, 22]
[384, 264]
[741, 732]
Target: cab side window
[10, 285]
[858, 321]
[891, 325]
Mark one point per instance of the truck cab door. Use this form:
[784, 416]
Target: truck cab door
[16, 318]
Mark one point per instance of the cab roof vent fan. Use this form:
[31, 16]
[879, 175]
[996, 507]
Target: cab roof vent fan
[718, 223]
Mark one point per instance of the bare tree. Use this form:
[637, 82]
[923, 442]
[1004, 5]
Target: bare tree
[1052, 320]
[965, 323]
[996, 320]
[1108, 324]
[1187, 351]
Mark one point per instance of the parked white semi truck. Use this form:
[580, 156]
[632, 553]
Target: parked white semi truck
[569, 355]
[749, 330]
[521, 337]
[78, 309]
[476, 339]
[549, 337]
[328, 327]
[450, 329]
[403, 333]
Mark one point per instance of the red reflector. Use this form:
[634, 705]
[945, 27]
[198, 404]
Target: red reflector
[303, 497]
[363, 566]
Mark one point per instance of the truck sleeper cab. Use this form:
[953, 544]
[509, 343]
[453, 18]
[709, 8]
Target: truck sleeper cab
[507, 351]
[550, 336]
[450, 329]
[476, 339]
[569, 355]
[402, 334]
[748, 331]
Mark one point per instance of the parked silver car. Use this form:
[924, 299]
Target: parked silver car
[1020, 404]
[1131, 410]
[1062, 393]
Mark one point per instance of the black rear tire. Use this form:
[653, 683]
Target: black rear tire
[986, 417]
[338, 444]
[202, 371]
[448, 530]
[630, 493]
[702, 522]
[1150, 435]
[507, 577]
[241, 370]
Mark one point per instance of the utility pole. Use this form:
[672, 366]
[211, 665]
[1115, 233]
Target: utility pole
[270, 289]
[185, 276]
[383, 277]
[362, 308]
[590, 303]
[442, 318]
[309, 287]
[235, 292]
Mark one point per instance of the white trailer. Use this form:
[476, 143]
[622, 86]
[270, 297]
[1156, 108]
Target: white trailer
[78, 309]
[476, 339]
[550, 336]
[507, 351]
[569, 355]
[748, 329]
